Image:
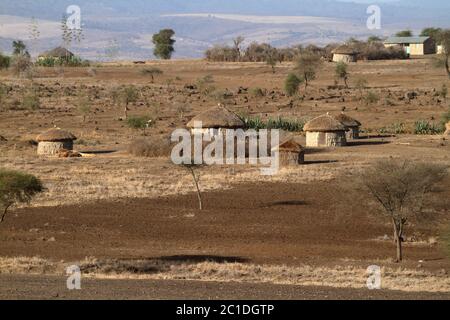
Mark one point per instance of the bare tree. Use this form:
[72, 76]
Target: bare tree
[191, 168]
[237, 45]
[400, 187]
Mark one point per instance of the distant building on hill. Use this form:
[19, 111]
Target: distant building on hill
[415, 46]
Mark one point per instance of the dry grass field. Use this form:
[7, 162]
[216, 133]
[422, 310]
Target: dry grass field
[126, 217]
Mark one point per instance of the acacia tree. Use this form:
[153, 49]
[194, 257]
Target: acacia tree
[307, 65]
[342, 72]
[272, 58]
[16, 187]
[164, 44]
[400, 187]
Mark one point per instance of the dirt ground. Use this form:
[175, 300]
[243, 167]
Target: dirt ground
[116, 206]
[53, 287]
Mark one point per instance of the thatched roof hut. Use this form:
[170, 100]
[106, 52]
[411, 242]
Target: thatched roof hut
[345, 54]
[325, 131]
[290, 152]
[57, 53]
[52, 141]
[352, 125]
[214, 120]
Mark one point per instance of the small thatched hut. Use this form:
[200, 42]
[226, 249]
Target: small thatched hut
[214, 120]
[325, 131]
[291, 153]
[345, 54]
[352, 125]
[57, 53]
[51, 142]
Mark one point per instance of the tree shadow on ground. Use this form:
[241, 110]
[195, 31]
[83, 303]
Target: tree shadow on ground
[202, 258]
[366, 143]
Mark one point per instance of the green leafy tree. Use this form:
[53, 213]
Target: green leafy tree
[342, 72]
[16, 187]
[404, 33]
[433, 33]
[140, 122]
[164, 43]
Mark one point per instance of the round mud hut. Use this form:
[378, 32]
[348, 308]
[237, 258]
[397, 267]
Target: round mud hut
[214, 121]
[290, 153]
[53, 141]
[352, 125]
[345, 54]
[325, 131]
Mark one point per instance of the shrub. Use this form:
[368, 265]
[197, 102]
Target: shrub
[425, 127]
[371, 98]
[205, 84]
[445, 118]
[257, 92]
[443, 93]
[221, 96]
[31, 100]
[152, 72]
[20, 64]
[292, 84]
[395, 128]
[5, 61]
[153, 147]
[278, 123]
[66, 62]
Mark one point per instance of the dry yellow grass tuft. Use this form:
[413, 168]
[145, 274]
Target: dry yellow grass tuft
[339, 276]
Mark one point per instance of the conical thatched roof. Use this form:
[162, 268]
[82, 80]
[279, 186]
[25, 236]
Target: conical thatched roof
[325, 123]
[54, 135]
[344, 49]
[58, 52]
[217, 117]
[289, 145]
[348, 121]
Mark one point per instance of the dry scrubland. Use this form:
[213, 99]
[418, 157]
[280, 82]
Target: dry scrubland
[109, 173]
